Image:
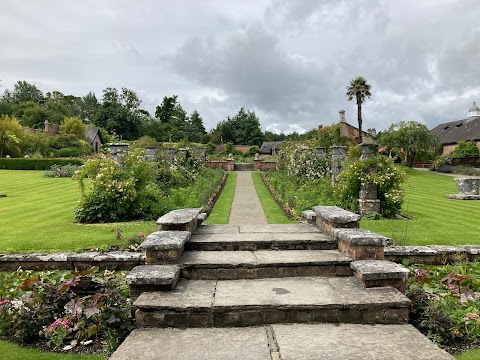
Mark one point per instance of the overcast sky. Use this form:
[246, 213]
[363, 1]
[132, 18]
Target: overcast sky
[288, 60]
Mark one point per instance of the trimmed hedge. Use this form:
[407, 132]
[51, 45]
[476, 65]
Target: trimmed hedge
[36, 164]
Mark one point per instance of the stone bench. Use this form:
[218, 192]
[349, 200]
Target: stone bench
[181, 220]
[329, 218]
[152, 278]
[380, 273]
[164, 247]
[361, 244]
[310, 216]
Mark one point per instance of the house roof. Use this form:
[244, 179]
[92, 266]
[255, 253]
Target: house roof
[268, 146]
[455, 131]
[91, 133]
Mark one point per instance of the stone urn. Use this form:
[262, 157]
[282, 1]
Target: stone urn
[468, 186]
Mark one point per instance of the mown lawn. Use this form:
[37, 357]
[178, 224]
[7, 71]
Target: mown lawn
[436, 220]
[37, 215]
[221, 211]
[270, 207]
[11, 351]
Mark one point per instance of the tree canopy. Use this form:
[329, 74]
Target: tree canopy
[412, 138]
[359, 89]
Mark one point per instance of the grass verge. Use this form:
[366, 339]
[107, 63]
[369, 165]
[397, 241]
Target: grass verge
[37, 215]
[270, 207]
[435, 219]
[221, 210]
[469, 355]
[11, 351]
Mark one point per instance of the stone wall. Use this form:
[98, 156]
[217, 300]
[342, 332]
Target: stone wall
[260, 165]
[227, 165]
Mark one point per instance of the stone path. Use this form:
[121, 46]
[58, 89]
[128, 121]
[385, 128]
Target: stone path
[246, 207]
[282, 342]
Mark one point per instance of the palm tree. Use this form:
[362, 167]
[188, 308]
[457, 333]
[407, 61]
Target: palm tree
[359, 89]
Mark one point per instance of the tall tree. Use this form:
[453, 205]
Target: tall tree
[195, 130]
[359, 89]
[412, 138]
[24, 91]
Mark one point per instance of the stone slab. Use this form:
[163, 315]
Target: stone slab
[462, 196]
[179, 217]
[351, 292]
[335, 214]
[195, 344]
[153, 275]
[279, 228]
[309, 215]
[354, 342]
[217, 229]
[198, 294]
[409, 251]
[227, 259]
[230, 238]
[301, 257]
[165, 240]
[230, 259]
[379, 270]
[361, 237]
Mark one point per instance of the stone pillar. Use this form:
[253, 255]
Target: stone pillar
[118, 151]
[257, 165]
[169, 155]
[368, 150]
[468, 186]
[368, 196]
[151, 154]
[339, 153]
[321, 152]
[201, 153]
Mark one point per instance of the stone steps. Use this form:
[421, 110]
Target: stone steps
[231, 265]
[226, 303]
[260, 241]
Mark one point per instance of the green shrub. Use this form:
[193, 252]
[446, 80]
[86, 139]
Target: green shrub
[303, 163]
[65, 171]
[379, 170]
[253, 150]
[210, 148]
[465, 149]
[36, 164]
[52, 307]
[69, 152]
[118, 193]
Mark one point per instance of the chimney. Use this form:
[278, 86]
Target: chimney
[342, 116]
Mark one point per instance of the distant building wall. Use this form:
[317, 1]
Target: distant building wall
[242, 148]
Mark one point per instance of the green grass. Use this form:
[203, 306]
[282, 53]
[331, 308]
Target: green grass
[11, 351]
[221, 211]
[436, 219]
[469, 355]
[37, 215]
[271, 209]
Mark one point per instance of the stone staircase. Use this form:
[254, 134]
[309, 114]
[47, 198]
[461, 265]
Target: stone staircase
[243, 275]
[248, 280]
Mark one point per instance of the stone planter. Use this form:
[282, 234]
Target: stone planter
[468, 186]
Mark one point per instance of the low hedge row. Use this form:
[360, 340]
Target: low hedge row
[36, 164]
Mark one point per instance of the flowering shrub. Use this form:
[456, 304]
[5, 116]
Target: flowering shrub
[61, 171]
[52, 306]
[379, 170]
[446, 302]
[118, 193]
[302, 162]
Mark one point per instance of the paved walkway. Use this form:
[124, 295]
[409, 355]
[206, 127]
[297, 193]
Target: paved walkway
[246, 207]
[445, 174]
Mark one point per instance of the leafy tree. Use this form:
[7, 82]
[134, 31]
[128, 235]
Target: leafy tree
[115, 118]
[359, 89]
[31, 114]
[327, 136]
[411, 137]
[465, 149]
[75, 126]
[6, 107]
[171, 124]
[270, 136]
[11, 134]
[88, 107]
[195, 130]
[24, 91]
[243, 128]
[247, 129]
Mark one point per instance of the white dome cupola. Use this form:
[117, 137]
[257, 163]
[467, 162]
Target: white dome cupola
[474, 111]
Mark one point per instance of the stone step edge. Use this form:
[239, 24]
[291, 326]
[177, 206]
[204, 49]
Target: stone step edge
[380, 273]
[229, 317]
